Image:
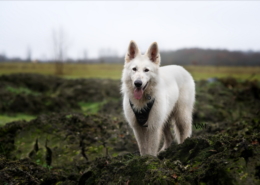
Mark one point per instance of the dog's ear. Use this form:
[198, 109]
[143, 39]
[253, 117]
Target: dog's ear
[132, 51]
[153, 53]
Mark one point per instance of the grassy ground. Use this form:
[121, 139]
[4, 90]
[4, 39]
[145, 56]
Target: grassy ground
[113, 71]
[9, 118]
[80, 136]
[87, 108]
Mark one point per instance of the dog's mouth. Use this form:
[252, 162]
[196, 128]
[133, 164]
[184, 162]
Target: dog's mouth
[139, 91]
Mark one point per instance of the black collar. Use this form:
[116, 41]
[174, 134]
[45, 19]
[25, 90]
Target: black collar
[143, 114]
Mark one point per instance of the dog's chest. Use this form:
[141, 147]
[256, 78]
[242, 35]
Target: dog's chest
[142, 115]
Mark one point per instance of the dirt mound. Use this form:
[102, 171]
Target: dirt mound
[228, 154]
[79, 136]
[26, 172]
[227, 157]
[68, 147]
[222, 101]
[36, 94]
[56, 145]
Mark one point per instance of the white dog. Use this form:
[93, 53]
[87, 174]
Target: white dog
[154, 98]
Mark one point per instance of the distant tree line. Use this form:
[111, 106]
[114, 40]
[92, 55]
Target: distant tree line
[192, 56]
[196, 56]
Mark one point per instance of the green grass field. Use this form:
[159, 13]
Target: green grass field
[113, 71]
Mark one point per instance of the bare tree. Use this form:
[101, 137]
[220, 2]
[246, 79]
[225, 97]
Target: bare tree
[85, 55]
[60, 46]
[29, 54]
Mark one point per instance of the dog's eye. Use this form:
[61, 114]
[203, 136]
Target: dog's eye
[134, 69]
[146, 70]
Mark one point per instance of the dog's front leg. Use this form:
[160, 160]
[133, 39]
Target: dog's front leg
[141, 138]
[148, 140]
[154, 138]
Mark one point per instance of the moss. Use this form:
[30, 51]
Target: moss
[89, 107]
[6, 118]
[21, 90]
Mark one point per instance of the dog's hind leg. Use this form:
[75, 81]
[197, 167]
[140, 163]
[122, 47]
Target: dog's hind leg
[168, 136]
[183, 112]
[183, 123]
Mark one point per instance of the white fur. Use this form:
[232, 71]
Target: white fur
[174, 91]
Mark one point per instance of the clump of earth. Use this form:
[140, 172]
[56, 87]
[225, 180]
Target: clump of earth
[79, 135]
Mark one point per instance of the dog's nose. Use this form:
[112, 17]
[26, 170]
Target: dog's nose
[138, 83]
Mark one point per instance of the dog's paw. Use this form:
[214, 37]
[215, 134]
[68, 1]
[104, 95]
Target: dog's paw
[161, 151]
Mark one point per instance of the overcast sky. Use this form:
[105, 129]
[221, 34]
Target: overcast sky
[92, 26]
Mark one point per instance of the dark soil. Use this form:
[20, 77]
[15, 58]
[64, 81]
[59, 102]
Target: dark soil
[36, 94]
[65, 146]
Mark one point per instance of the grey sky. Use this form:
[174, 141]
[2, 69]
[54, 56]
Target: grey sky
[92, 26]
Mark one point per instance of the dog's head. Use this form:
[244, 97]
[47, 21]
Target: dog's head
[140, 71]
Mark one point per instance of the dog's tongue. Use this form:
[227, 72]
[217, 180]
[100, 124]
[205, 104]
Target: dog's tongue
[138, 93]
